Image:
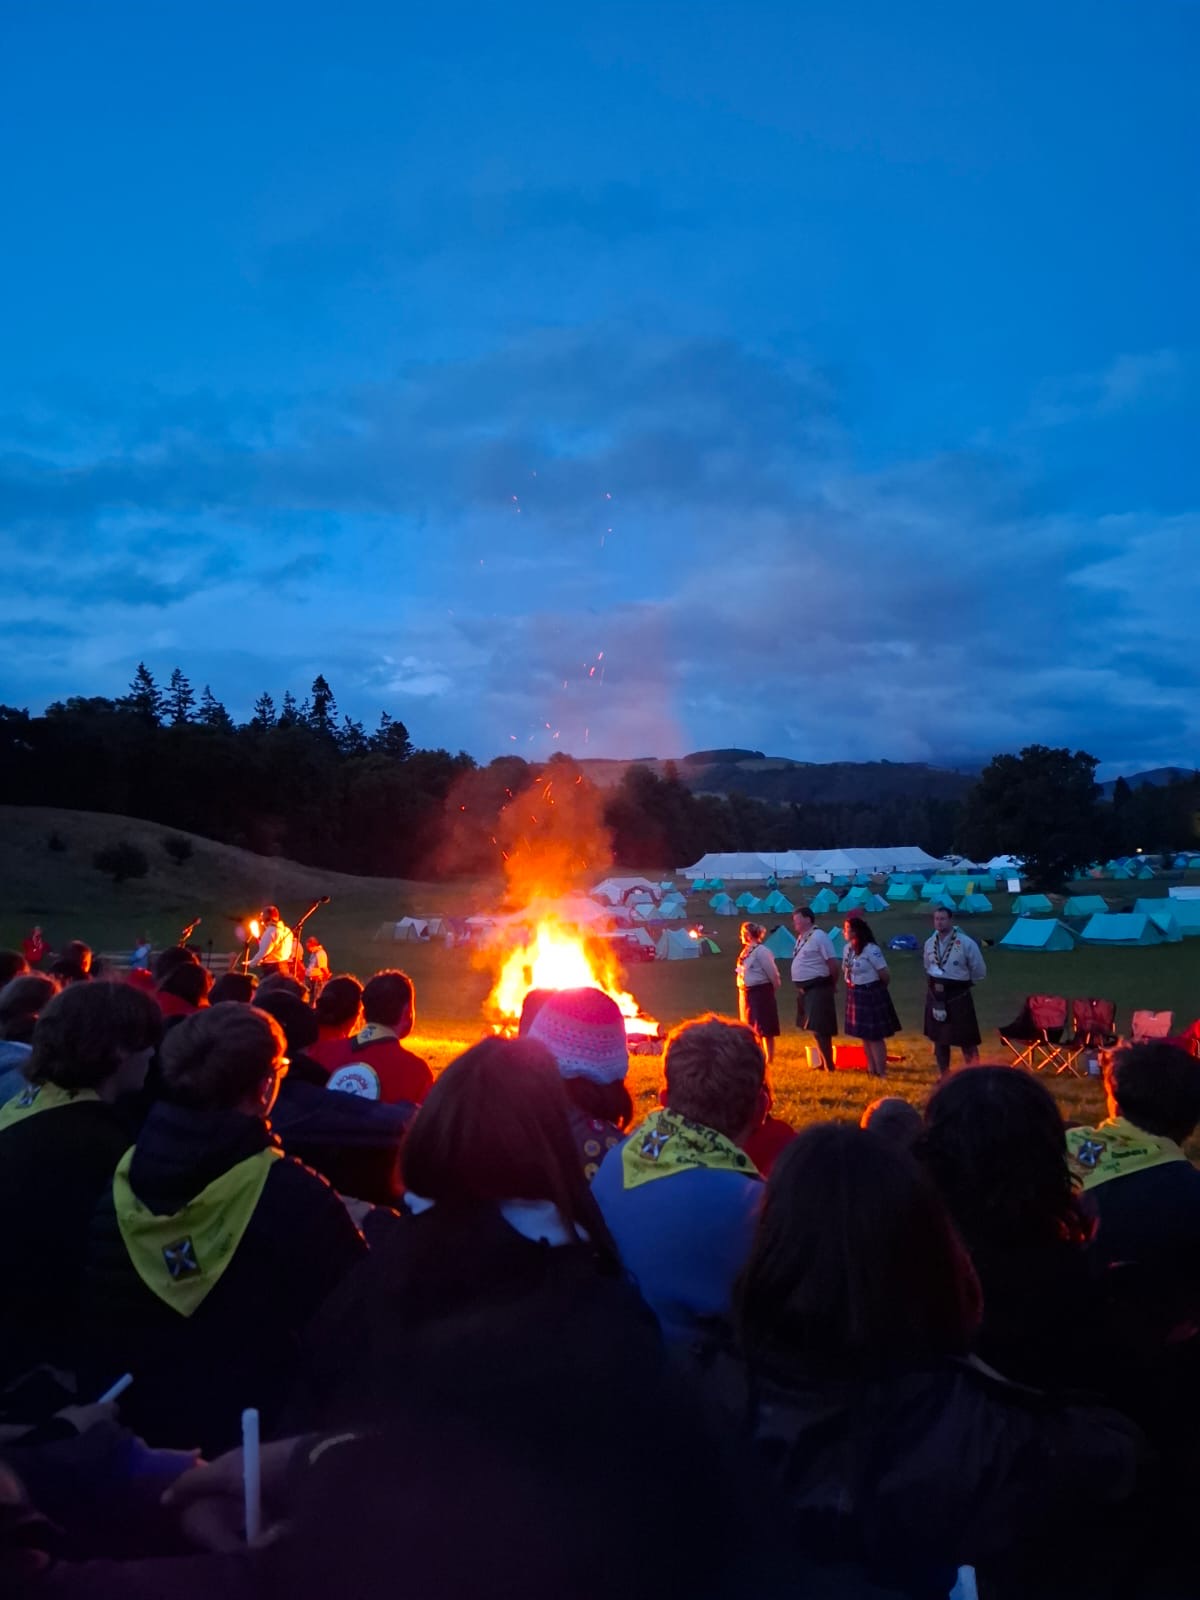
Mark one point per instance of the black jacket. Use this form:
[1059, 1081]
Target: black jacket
[914, 1473]
[53, 1168]
[353, 1142]
[194, 1375]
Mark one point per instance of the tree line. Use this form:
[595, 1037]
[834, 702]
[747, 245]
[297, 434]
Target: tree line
[300, 780]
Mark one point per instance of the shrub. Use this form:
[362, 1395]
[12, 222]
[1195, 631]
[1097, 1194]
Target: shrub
[121, 861]
[178, 848]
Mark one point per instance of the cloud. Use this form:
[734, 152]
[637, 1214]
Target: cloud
[1151, 378]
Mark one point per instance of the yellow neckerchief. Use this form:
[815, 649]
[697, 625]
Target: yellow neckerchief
[373, 1032]
[41, 1097]
[668, 1144]
[181, 1257]
[1115, 1147]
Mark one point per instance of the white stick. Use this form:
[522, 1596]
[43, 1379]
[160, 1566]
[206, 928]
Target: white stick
[251, 1476]
[117, 1390]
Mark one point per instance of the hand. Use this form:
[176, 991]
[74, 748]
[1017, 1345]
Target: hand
[209, 1499]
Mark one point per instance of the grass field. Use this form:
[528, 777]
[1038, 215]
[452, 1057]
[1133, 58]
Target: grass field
[62, 891]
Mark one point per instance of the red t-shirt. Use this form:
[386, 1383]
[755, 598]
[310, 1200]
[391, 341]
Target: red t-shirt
[767, 1145]
[402, 1075]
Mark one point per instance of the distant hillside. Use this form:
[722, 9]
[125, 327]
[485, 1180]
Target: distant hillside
[780, 781]
[1155, 778]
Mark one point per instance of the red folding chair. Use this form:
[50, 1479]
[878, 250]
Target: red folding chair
[1035, 1038]
[1093, 1027]
[1148, 1025]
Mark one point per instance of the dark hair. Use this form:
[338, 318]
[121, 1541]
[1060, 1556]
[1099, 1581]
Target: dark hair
[21, 999]
[166, 961]
[386, 997]
[217, 1058]
[1157, 1086]
[68, 971]
[494, 1127]
[807, 913]
[714, 1071]
[860, 933]
[610, 1102]
[339, 1002]
[12, 965]
[235, 986]
[271, 914]
[995, 1146]
[855, 1258]
[83, 1033]
[533, 1002]
[188, 982]
[280, 983]
[893, 1118]
[77, 950]
[293, 1016]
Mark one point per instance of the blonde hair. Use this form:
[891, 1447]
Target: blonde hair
[714, 1070]
[753, 932]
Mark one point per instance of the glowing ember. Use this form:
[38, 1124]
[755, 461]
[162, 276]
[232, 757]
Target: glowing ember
[557, 958]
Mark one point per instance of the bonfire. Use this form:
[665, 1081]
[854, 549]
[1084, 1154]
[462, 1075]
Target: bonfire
[556, 956]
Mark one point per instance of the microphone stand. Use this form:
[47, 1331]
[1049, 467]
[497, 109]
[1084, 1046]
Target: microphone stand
[297, 945]
[189, 931]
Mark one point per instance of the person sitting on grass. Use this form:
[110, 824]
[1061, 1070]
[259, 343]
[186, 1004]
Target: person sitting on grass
[855, 1312]
[12, 965]
[60, 1139]
[339, 1015]
[183, 991]
[500, 1229]
[21, 1000]
[995, 1146]
[236, 986]
[584, 1031]
[211, 1250]
[681, 1195]
[373, 1062]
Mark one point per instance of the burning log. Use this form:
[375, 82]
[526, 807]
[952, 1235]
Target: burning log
[558, 957]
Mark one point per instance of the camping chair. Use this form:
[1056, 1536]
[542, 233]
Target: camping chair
[1035, 1037]
[1151, 1025]
[1093, 1027]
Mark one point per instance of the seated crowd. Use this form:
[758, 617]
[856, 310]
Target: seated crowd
[487, 1319]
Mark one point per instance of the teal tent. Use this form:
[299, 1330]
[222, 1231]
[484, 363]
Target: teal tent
[745, 901]
[956, 883]
[854, 900]
[1026, 904]
[898, 892]
[985, 883]
[1128, 927]
[1167, 926]
[840, 880]
[722, 905]
[943, 903]
[1181, 861]
[1194, 864]
[1185, 912]
[1038, 933]
[756, 907]
[838, 940]
[823, 900]
[875, 902]
[778, 902]
[974, 905]
[931, 890]
[782, 943]
[1119, 870]
[1085, 905]
[862, 880]
[1143, 871]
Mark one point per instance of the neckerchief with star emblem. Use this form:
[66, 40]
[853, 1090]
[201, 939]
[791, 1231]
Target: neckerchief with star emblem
[668, 1144]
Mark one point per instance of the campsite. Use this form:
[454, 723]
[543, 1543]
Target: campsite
[219, 882]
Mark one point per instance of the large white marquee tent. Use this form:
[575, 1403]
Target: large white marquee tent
[746, 867]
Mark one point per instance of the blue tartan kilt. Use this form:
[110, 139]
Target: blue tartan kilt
[870, 1013]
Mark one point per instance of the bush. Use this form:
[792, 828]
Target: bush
[178, 848]
[121, 861]
[56, 842]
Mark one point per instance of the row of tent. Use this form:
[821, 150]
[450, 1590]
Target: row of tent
[1119, 928]
[743, 866]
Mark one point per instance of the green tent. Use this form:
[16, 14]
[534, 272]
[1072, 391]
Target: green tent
[1038, 933]
[898, 892]
[782, 943]
[824, 900]
[1025, 905]
[1128, 928]
[974, 905]
[1085, 905]
[854, 900]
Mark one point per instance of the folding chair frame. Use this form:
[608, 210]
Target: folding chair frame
[1086, 1034]
[1042, 1051]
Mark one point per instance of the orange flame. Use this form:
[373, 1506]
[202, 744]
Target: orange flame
[255, 929]
[557, 958]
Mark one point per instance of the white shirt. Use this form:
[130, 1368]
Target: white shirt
[275, 944]
[960, 960]
[812, 956]
[864, 969]
[757, 966]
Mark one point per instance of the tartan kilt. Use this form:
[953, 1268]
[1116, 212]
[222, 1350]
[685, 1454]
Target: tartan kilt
[961, 1028]
[870, 1013]
[815, 1009]
[759, 1010]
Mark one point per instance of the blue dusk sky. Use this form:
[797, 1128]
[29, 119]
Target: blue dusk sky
[618, 378]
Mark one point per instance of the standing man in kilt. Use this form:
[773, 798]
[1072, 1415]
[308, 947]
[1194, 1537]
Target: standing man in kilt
[815, 974]
[952, 964]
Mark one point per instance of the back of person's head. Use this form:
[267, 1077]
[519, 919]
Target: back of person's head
[339, 1003]
[66, 972]
[270, 914]
[386, 997]
[166, 961]
[714, 1072]
[1156, 1086]
[85, 1033]
[860, 934]
[188, 981]
[76, 950]
[995, 1145]
[753, 932]
[280, 983]
[495, 1127]
[533, 1002]
[893, 1118]
[855, 1258]
[12, 965]
[584, 1031]
[233, 986]
[22, 1000]
[297, 1020]
[219, 1059]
